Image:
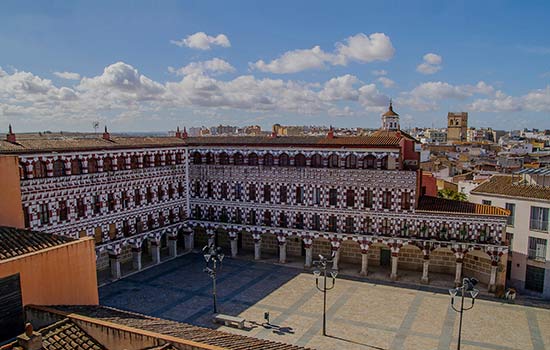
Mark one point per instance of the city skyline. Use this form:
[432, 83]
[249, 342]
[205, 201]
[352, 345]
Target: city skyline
[147, 67]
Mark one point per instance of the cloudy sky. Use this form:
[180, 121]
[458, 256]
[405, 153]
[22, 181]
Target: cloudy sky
[152, 65]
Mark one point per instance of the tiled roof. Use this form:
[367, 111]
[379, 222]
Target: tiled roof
[15, 242]
[436, 204]
[67, 335]
[502, 185]
[350, 141]
[392, 133]
[45, 143]
[176, 329]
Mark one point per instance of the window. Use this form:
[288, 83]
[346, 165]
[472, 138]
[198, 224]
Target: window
[485, 202]
[149, 195]
[197, 188]
[283, 221]
[160, 192]
[157, 160]
[107, 164]
[92, 166]
[44, 214]
[180, 188]
[97, 204]
[26, 216]
[137, 197]
[58, 168]
[316, 161]
[178, 158]
[209, 158]
[350, 198]
[333, 161]
[171, 191]
[125, 201]
[198, 212]
[283, 194]
[369, 162]
[252, 192]
[349, 225]
[267, 218]
[284, 160]
[386, 200]
[111, 203]
[238, 216]
[317, 196]
[299, 195]
[252, 217]
[223, 216]
[209, 190]
[39, 169]
[368, 198]
[300, 160]
[333, 197]
[368, 225]
[268, 159]
[223, 158]
[121, 163]
[80, 207]
[384, 163]
[511, 218]
[223, 191]
[238, 191]
[405, 200]
[539, 219]
[299, 221]
[252, 159]
[168, 159]
[238, 159]
[316, 222]
[211, 214]
[197, 158]
[351, 162]
[537, 248]
[267, 193]
[332, 223]
[76, 167]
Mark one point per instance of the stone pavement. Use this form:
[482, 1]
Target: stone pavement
[361, 315]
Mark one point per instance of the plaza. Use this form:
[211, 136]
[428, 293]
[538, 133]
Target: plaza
[361, 314]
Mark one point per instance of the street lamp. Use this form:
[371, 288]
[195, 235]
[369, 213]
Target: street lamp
[321, 273]
[467, 287]
[212, 255]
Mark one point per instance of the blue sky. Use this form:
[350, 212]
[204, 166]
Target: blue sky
[152, 65]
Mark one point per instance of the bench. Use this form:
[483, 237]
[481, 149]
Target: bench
[229, 320]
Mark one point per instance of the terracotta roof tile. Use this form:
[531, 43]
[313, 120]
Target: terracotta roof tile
[436, 204]
[176, 329]
[15, 242]
[352, 141]
[503, 185]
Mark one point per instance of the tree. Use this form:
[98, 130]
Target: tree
[450, 194]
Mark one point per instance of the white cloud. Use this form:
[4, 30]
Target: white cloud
[67, 75]
[380, 72]
[431, 64]
[340, 88]
[387, 82]
[360, 48]
[214, 66]
[202, 41]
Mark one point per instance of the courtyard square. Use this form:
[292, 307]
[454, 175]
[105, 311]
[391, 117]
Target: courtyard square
[361, 315]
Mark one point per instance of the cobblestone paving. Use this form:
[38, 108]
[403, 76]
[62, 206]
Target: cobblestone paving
[361, 315]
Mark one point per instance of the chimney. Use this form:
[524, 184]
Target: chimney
[106, 135]
[330, 134]
[30, 340]
[10, 137]
[178, 133]
[184, 135]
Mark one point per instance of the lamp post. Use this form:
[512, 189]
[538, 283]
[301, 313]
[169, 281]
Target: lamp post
[466, 287]
[321, 273]
[214, 255]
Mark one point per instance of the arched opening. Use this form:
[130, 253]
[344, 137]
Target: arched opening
[158, 161]
[107, 164]
[253, 159]
[369, 162]
[178, 158]
[22, 171]
[238, 159]
[333, 161]
[268, 159]
[92, 166]
[351, 161]
[284, 160]
[134, 164]
[121, 163]
[58, 167]
[300, 160]
[224, 158]
[39, 169]
[316, 161]
[168, 158]
[384, 163]
[209, 158]
[76, 166]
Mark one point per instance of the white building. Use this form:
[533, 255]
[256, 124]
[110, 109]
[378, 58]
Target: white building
[526, 195]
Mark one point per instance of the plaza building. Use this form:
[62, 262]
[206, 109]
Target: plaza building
[359, 198]
[526, 194]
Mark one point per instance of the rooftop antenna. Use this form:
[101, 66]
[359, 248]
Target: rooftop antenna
[95, 125]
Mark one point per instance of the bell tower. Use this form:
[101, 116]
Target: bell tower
[390, 119]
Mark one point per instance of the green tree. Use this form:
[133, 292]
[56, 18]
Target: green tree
[450, 194]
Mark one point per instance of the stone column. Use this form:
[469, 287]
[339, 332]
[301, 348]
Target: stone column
[257, 246]
[234, 246]
[493, 278]
[336, 259]
[425, 266]
[458, 273]
[364, 263]
[282, 252]
[189, 239]
[173, 245]
[211, 237]
[155, 251]
[394, 261]
[308, 246]
[115, 265]
[136, 258]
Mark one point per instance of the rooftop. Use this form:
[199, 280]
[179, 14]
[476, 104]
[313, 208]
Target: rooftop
[436, 204]
[15, 242]
[504, 185]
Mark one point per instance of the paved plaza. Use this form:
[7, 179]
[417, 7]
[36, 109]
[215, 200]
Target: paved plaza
[361, 315]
